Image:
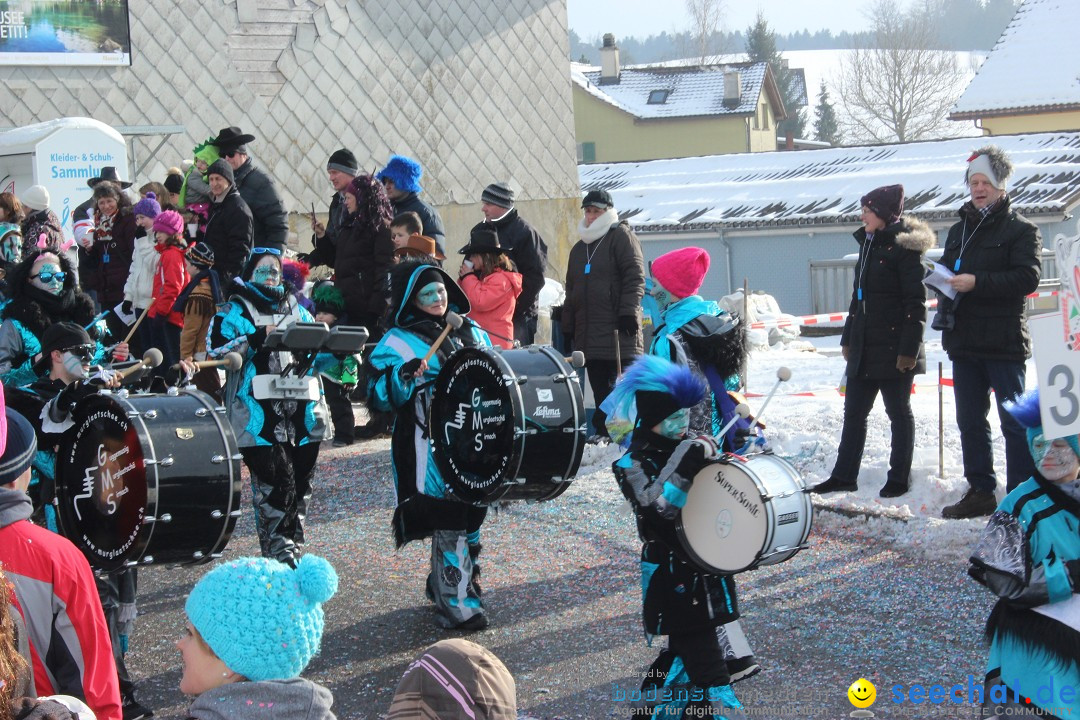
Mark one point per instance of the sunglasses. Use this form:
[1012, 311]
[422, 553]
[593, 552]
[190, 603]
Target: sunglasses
[48, 276]
[83, 352]
[231, 153]
[265, 251]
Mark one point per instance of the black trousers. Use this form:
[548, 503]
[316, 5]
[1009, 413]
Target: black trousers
[858, 402]
[602, 377]
[281, 488]
[341, 412]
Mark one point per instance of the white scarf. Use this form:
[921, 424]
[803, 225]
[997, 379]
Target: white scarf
[599, 227]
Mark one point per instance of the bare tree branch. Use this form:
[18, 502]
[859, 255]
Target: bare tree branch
[705, 17]
[899, 89]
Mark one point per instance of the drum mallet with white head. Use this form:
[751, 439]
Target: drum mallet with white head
[453, 322]
[231, 361]
[576, 359]
[783, 374]
[150, 359]
[742, 410]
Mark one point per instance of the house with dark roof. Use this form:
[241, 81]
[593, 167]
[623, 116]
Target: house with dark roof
[672, 111]
[1030, 82]
[768, 217]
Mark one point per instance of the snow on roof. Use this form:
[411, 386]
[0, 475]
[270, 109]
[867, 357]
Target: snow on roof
[24, 139]
[1031, 67]
[694, 90]
[825, 186]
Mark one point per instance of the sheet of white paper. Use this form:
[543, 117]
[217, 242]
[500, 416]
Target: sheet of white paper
[128, 318]
[937, 278]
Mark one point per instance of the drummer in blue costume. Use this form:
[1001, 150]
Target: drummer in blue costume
[400, 381]
[691, 678]
[1029, 557]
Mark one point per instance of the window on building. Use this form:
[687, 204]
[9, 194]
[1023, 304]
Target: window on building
[658, 97]
[765, 115]
[586, 152]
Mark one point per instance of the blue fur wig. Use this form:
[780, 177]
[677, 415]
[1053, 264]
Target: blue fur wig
[404, 171]
[649, 391]
[1025, 409]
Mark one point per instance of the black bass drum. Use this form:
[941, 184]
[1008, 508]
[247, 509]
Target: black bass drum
[507, 424]
[148, 479]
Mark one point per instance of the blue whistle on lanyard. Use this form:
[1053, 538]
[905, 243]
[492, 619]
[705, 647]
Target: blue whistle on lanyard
[588, 268]
[956, 265]
[858, 294]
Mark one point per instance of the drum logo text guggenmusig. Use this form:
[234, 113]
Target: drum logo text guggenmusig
[738, 495]
[105, 462]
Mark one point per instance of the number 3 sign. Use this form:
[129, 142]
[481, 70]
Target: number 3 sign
[1058, 369]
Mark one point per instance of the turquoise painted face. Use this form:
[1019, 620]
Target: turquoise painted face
[432, 299]
[661, 295]
[674, 426]
[1055, 459]
[49, 278]
[268, 275]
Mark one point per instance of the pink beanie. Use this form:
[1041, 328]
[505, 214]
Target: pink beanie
[681, 271]
[169, 222]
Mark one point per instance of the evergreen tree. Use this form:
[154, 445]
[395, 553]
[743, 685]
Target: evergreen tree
[826, 127]
[761, 47]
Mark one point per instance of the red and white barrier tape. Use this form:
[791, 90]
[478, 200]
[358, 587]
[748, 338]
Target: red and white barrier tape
[842, 316]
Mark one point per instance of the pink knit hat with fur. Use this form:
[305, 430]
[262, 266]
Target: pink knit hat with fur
[681, 271]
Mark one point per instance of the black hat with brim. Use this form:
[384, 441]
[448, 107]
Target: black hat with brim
[483, 238]
[108, 174]
[232, 137]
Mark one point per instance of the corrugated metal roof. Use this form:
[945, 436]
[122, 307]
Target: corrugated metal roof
[695, 90]
[825, 186]
[1034, 67]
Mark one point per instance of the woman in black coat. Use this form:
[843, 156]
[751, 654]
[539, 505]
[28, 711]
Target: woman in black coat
[883, 337]
[229, 229]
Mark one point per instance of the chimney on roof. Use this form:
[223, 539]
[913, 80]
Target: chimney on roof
[609, 61]
[732, 87]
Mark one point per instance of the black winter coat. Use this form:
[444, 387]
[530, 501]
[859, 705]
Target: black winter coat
[429, 216]
[612, 288]
[890, 319]
[1003, 255]
[364, 258]
[270, 221]
[325, 248]
[529, 253]
[229, 233]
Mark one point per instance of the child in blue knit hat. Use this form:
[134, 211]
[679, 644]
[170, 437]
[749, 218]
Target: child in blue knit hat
[253, 626]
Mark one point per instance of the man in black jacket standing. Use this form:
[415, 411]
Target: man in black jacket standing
[229, 227]
[525, 247]
[340, 169]
[271, 221]
[994, 253]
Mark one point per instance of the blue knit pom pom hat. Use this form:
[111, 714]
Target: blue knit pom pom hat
[261, 617]
[404, 171]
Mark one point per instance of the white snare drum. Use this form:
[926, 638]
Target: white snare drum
[744, 513]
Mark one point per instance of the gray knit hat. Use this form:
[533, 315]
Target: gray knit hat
[20, 450]
[498, 194]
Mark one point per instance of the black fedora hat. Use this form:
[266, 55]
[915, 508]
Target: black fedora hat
[108, 174]
[483, 238]
[231, 137]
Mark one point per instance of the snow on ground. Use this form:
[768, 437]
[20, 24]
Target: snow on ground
[806, 431]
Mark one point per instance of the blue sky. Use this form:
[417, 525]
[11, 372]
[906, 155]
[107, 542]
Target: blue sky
[649, 17]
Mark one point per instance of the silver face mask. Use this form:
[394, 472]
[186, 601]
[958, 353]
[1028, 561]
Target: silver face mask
[74, 365]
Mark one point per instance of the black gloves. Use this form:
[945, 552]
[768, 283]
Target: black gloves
[628, 324]
[409, 369]
[127, 307]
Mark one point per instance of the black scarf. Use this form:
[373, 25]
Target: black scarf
[264, 299]
[215, 289]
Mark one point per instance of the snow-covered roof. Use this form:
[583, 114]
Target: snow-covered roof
[26, 138]
[1031, 68]
[825, 186]
[693, 90]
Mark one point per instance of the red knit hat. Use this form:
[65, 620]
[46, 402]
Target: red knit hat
[169, 222]
[681, 271]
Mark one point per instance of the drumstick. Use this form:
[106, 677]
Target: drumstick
[231, 361]
[136, 327]
[150, 359]
[742, 410]
[576, 359]
[453, 322]
[618, 355]
[783, 374]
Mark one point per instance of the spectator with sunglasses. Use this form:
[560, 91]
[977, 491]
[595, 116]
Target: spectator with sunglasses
[230, 228]
[271, 221]
[44, 290]
[279, 438]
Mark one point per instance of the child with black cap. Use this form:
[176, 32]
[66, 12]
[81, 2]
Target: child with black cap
[198, 302]
[691, 677]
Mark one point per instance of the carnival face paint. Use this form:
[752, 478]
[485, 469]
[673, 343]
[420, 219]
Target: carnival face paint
[55, 282]
[1056, 460]
[675, 425]
[268, 275]
[432, 298]
[74, 364]
[663, 297]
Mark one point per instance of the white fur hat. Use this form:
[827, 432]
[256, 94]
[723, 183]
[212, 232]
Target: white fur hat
[36, 197]
[992, 162]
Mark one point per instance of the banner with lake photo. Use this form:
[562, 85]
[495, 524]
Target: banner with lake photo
[77, 32]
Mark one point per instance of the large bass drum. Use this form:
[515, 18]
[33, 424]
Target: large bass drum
[507, 424]
[742, 513]
[148, 479]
